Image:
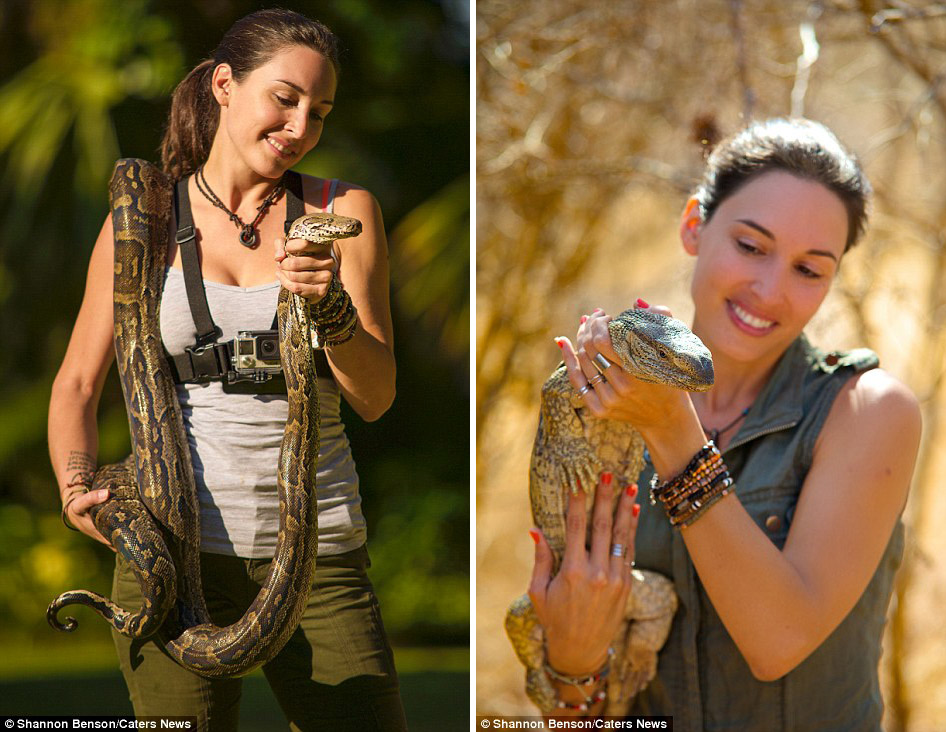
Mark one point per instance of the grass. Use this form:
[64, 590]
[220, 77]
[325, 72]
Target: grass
[79, 678]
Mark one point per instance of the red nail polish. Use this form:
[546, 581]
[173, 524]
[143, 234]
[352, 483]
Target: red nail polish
[631, 490]
[642, 303]
[534, 533]
[606, 478]
[560, 344]
[583, 319]
[636, 510]
[578, 483]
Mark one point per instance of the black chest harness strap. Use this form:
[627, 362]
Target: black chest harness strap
[208, 360]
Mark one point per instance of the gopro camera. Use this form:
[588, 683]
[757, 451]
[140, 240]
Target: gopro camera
[255, 356]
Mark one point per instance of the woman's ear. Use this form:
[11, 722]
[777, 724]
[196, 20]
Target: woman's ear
[690, 224]
[220, 84]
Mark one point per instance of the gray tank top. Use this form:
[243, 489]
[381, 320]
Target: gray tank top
[235, 438]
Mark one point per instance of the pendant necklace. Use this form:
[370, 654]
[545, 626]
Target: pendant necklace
[714, 434]
[248, 233]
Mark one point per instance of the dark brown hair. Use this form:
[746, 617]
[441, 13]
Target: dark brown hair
[250, 43]
[806, 149]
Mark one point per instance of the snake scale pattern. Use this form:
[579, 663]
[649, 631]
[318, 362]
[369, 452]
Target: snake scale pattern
[152, 518]
[572, 447]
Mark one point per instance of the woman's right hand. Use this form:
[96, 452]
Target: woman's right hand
[77, 513]
[583, 605]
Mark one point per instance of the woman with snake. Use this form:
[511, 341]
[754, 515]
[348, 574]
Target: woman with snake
[783, 575]
[239, 121]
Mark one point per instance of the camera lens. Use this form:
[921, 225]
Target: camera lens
[268, 348]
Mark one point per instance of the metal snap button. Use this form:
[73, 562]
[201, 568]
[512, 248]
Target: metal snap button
[773, 523]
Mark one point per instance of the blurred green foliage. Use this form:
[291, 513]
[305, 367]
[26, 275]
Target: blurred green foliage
[83, 82]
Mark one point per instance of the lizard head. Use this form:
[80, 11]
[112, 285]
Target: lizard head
[661, 350]
[324, 227]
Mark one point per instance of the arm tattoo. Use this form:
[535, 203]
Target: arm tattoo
[80, 468]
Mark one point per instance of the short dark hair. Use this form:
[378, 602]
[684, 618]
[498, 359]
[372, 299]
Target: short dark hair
[801, 147]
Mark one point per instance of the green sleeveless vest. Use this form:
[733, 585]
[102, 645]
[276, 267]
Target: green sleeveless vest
[702, 679]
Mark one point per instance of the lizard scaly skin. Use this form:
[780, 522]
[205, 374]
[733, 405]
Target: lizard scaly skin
[572, 447]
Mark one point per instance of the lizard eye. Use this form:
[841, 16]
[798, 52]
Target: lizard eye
[662, 353]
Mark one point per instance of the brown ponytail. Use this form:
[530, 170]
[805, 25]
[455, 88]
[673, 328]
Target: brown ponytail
[192, 123]
[251, 42]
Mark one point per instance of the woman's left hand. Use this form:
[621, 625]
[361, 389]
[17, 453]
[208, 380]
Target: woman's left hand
[619, 395]
[304, 267]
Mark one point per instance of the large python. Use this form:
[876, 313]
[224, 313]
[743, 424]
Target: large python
[572, 447]
[152, 518]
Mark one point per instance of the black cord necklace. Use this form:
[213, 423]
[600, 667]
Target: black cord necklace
[714, 434]
[248, 233]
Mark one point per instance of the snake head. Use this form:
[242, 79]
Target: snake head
[661, 350]
[324, 227]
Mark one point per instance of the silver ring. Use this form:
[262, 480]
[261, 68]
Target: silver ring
[585, 389]
[601, 363]
[596, 379]
[618, 550]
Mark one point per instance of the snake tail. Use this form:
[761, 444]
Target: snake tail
[116, 616]
[125, 522]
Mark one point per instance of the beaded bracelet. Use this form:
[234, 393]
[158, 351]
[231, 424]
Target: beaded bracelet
[334, 317]
[579, 681]
[687, 496]
[584, 706]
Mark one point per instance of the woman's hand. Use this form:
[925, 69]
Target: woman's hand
[77, 513]
[583, 605]
[619, 395]
[664, 415]
[304, 267]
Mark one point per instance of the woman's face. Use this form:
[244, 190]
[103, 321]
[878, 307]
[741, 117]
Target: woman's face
[275, 115]
[765, 261]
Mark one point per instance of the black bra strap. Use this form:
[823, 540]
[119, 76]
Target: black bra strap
[207, 331]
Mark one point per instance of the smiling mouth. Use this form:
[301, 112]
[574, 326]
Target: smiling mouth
[283, 151]
[747, 319]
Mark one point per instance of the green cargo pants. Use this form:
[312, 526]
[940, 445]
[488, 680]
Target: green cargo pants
[335, 673]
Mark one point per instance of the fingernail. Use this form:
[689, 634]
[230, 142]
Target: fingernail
[598, 310]
[560, 343]
[534, 533]
[642, 303]
[636, 510]
[583, 319]
[103, 493]
[578, 481]
[631, 490]
[606, 478]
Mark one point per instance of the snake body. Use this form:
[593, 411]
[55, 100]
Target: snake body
[572, 448]
[152, 518]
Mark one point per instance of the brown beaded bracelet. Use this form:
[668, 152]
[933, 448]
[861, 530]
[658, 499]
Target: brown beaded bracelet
[687, 496]
[334, 317]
